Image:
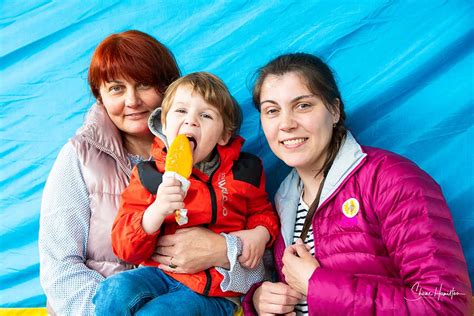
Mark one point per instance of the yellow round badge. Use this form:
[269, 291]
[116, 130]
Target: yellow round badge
[350, 208]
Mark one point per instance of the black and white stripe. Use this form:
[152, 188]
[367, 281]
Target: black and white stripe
[302, 307]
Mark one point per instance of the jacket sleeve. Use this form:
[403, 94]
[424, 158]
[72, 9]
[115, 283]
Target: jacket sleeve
[129, 241]
[64, 227]
[418, 232]
[247, 301]
[261, 211]
[274, 269]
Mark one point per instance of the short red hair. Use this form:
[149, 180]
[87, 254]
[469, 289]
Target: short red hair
[132, 55]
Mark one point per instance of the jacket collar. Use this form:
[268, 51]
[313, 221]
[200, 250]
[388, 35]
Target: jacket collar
[227, 155]
[287, 197]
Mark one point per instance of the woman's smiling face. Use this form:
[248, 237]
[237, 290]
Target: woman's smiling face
[296, 122]
[129, 104]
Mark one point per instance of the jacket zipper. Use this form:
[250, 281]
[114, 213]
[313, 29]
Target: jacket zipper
[208, 282]
[212, 193]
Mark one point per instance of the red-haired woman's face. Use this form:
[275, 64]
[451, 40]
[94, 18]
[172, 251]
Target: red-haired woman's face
[129, 104]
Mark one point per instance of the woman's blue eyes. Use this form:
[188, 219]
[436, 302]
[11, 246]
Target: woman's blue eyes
[115, 89]
[119, 88]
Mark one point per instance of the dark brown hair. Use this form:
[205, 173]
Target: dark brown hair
[132, 55]
[320, 81]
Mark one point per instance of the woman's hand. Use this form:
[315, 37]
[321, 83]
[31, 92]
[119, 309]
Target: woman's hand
[298, 266]
[191, 250]
[275, 298]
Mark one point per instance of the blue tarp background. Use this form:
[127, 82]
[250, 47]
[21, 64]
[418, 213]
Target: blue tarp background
[405, 69]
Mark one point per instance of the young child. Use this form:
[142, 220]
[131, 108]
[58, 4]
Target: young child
[226, 194]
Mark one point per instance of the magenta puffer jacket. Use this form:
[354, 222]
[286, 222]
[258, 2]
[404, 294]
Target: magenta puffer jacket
[384, 238]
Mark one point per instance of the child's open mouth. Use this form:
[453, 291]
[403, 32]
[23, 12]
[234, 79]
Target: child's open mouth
[192, 141]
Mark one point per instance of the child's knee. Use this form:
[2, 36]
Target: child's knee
[120, 293]
[110, 284]
[112, 289]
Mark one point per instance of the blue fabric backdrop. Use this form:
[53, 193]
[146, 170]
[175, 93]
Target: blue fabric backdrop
[405, 69]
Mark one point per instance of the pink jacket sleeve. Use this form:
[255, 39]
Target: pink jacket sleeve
[419, 235]
[278, 249]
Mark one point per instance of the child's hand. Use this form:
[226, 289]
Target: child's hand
[169, 197]
[253, 245]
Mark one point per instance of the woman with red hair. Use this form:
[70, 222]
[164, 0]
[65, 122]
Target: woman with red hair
[128, 75]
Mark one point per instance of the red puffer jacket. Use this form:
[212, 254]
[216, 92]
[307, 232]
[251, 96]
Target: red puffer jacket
[396, 253]
[232, 198]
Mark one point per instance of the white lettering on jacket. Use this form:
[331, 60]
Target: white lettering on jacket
[221, 184]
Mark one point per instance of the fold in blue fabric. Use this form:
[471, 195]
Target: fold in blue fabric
[405, 70]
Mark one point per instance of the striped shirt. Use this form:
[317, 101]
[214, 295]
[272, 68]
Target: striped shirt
[302, 307]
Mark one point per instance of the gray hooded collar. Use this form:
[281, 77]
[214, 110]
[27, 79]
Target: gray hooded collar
[154, 124]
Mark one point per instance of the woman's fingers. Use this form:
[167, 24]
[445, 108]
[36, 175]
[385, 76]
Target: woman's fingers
[275, 298]
[299, 241]
[278, 308]
[160, 258]
[281, 293]
[288, 255]
[302, 251]
[166, 241]
[166, 267]
[166, 261]
[195, 248]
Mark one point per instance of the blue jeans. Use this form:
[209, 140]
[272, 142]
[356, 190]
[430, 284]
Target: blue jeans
[149, 291]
